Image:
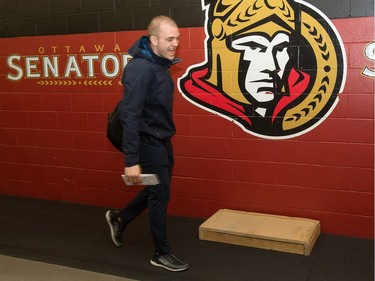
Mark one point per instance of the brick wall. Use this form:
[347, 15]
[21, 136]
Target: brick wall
[327, 174]
[52, 17]
[53, 144]
[46, 17]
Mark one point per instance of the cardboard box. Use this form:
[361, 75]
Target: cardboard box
[272, 232]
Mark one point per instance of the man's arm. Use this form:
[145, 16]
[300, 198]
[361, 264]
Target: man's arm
[135, 89]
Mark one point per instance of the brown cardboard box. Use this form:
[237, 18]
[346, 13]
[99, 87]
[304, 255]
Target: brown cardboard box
[279, 233]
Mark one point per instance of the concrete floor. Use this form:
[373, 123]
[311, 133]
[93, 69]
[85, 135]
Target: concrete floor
[15, 269]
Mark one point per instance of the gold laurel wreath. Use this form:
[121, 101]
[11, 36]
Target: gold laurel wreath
[327, 67]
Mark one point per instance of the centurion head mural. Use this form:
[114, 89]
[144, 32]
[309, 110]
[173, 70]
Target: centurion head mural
[273, 67]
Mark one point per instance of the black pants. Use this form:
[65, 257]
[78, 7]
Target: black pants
[156, 157]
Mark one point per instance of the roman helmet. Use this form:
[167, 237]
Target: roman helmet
[232, 19]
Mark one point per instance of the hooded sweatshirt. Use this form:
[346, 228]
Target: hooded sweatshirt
[146, 106]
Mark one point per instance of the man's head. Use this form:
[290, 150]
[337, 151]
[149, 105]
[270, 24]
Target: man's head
[164, 36]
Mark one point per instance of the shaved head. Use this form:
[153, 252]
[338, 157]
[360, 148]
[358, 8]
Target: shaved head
[156, 22]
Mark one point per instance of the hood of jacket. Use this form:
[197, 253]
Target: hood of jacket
[141, 49]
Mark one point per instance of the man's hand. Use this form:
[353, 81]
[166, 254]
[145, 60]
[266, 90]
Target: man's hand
[133, 174]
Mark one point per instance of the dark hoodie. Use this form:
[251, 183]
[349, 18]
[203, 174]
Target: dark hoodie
[146, 107]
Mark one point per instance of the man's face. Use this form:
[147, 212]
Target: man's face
[267, 59]
[164, 44]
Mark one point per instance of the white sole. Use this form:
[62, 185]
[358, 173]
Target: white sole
[108, 219]
[167, 268]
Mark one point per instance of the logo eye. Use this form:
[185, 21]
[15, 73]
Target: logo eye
[258, 49]
[242, 45]
[281, 47]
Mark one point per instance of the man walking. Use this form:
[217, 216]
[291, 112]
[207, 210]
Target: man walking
[147, 121]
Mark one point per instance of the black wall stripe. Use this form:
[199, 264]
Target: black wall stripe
[56, 17]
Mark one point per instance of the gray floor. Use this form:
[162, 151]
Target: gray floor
[16, 269]
[44, 240]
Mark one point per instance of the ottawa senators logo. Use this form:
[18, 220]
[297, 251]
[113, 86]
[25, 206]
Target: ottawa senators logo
[273, 67]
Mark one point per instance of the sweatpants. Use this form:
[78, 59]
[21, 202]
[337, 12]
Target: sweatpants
[156, 157]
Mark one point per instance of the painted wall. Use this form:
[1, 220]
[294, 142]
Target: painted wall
[53, 144]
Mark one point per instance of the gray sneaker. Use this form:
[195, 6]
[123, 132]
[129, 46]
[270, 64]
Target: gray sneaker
[116, 227]
[168, 261]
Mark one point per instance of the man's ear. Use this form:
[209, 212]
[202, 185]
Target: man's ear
[154, 40]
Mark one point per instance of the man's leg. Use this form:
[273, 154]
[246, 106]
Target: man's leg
[157, 207]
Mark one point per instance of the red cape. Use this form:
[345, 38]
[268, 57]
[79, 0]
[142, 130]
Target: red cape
[207, 94]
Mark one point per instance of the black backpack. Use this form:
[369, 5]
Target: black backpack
[114, 128]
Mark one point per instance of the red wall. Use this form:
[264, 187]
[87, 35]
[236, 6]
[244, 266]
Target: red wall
[53, 142]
